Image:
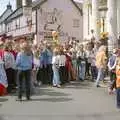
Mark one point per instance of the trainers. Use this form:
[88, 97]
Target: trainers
[19, 99]
[54, 85]
[58, 86]
[98, 86]
[28, 98]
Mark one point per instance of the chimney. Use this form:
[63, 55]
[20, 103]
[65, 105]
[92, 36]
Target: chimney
[26, 2]
[18, 3]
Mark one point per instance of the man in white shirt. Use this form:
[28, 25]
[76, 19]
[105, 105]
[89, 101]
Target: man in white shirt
[62, 69]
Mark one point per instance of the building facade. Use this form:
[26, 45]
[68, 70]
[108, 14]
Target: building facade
[6, 13]
[102, 16]
[18, 25]
[46, 16]
[64, 16]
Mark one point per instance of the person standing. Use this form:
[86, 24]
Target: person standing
[9, 61]
[62, 68]
[24, 62]
[112, 65]
[101, 62]
[81, 56]
[3, 79]
[55, 68]
[117, 84]
[49, 64]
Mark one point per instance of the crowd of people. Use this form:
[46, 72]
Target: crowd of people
[23, 63]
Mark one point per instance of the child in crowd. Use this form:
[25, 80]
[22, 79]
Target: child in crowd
[55, 67]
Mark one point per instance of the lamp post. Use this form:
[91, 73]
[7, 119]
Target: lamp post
[89, 10]
[103, 16]
[103, 12]
[27, 13]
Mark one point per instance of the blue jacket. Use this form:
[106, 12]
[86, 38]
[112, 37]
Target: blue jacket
[43, 58]
[24, 62]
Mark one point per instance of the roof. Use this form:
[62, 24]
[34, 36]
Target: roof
[5, 14]
[16, 13]
[19, 12]
[78, 6]
[36, 4]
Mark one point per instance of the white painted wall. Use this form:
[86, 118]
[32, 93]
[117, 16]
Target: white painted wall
[2, 28]
[68, 13]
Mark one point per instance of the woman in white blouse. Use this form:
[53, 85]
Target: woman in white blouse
[55, 67]
[9, 63]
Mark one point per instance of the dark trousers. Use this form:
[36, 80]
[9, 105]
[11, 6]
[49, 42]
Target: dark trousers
[11, 79]
[49, 73]
[24, 75]
[118, 97]
[87, 72]
[62, 73]
[112, 76]
[94, 72]
[42, 75]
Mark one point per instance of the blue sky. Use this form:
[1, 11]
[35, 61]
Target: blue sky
[3, 4]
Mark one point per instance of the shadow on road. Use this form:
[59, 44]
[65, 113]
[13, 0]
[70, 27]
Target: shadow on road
[50, 92]
[62, 99]
[79, 85]
[55, 96]
[3, 99]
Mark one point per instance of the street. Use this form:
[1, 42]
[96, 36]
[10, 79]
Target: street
[77, 101]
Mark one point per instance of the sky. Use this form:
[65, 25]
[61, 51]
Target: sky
[4, 3]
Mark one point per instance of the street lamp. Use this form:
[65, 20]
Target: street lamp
[27, 12]
[89, 6]
[103, 17]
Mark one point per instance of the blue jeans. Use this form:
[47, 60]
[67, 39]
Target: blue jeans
[118, 97]
[100, 75]
[94, 72]
[82, 67]
[56, 77]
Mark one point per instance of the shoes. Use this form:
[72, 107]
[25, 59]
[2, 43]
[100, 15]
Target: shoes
[54, 85]
[98, 86]
[58, 86]
[28, 98]
[19, 99]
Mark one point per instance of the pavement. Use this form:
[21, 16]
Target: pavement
[75, 101]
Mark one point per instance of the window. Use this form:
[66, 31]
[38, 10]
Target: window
[8, 27]
[17, 23]
[76, 23]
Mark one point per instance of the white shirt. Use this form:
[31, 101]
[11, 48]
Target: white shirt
[55, 60]
[62, 60]
[9, 60]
